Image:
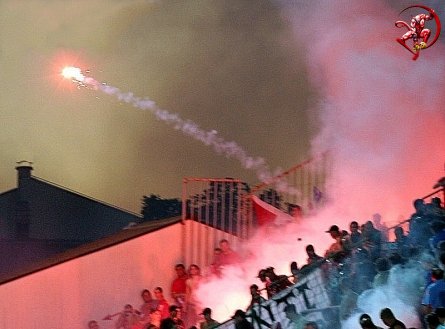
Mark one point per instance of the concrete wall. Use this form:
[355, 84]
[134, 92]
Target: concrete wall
[199, 242]
[90, 287]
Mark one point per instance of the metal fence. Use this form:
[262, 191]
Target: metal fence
[215, 209]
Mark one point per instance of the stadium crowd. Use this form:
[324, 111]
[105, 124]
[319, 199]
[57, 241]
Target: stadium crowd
[359, 258]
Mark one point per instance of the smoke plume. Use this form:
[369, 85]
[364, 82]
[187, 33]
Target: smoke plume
[382, 117]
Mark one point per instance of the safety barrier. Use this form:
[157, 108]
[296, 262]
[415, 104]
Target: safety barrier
[215, 209]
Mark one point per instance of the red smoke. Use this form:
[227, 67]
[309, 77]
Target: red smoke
[382, 114]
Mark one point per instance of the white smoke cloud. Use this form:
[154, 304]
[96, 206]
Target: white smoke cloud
[401, 294]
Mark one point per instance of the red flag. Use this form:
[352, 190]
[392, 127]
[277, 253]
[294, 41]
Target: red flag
[268, 214]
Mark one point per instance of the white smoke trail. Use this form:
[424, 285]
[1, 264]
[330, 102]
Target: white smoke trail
[209, 138]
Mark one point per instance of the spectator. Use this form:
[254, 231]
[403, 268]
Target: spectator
[173, 321]
[434, 293]
[228, 256]
[263, 278]
[295, 211]
[373, 240]
[215, 267]
[382, 266]
[432, 321]
[191, 315]
[162, 303]
[178, 286]
[402, 242]
[257, 299]
[240, 320]
[434, 210]
[390, 320]
[208, 322]
[419, 226]
[275, 283]
[295, 271]
[440, 311]
[438, 230]
[366, 322]
[377, 221]
[312, 256]
[396, 259]
[336, 251]
[258, 307]
[93, 324]
[355, 236]
[428, 263]
[176, 315]
[127, 318]
[146, 308]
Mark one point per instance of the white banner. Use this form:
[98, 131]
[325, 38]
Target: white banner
[307, 300]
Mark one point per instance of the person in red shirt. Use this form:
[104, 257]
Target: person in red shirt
[179, 287]
[228, 256]
[163, 304]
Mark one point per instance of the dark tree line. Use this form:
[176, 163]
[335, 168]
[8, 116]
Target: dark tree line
[217, 205]
[154, 207]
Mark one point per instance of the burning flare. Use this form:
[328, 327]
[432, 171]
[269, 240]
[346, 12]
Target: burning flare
[73, 73]
[210, 138]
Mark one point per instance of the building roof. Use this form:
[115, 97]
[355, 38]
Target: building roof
[42, 181]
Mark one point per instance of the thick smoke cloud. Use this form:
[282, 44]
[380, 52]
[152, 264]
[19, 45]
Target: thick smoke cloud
[382, 117]
[401, 295]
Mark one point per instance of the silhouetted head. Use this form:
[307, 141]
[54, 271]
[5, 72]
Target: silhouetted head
[419, 205]
[398, 232]
[366, 321]
[334, 231]
[432, 320]
[294, 268]
[310, 250]
[353, 226]
[387, 316]
[207, 313]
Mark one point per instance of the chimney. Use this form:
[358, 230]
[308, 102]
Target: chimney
[22, 209]
[24, 169]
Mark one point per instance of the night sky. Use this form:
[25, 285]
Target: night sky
[229, 66]
[282, 81]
